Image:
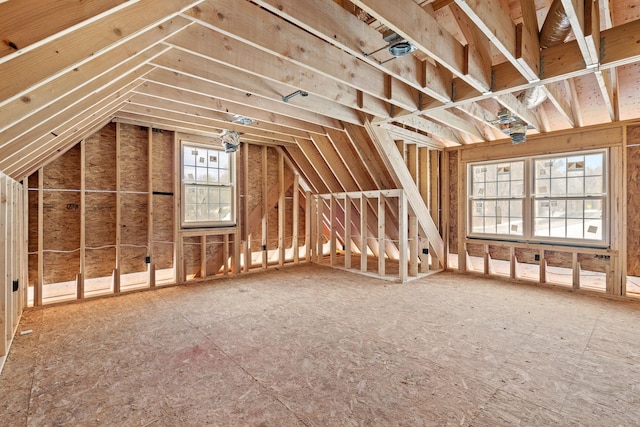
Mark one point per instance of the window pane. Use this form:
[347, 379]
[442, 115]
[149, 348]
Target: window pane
[477, 224]
[225, 195]
[575, 228]
[201, 175]
[542, 227]
[517, 170]
[223, 160]
[558, 167]
[594, 164]
[517, 188]
[189, 155]
[213, 157]
[558, 187]
[190, 213]
[213, 176]
[575, 208]
[594, 185]
[189, 174]
[190, 195]
[575, 186]
[225, 176]
[504, 189]
[491, 189]
[478, 189]
[557, 227]
[558, 208]
[543, 186]
[575, 166]
[593, 229]
[491, 173]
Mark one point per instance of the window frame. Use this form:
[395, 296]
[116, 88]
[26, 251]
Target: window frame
[186, 183]
[531, 197]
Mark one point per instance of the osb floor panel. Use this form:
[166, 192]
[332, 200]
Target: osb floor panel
[312, 346]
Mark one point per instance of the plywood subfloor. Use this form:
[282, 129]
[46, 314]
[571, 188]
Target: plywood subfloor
[312, 346]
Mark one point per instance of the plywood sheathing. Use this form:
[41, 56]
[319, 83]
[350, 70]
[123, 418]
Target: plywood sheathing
[163, 198]
[633, 201]
[32, 234]
[61, 210]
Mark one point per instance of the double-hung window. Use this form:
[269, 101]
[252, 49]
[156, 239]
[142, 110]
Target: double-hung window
[560, 198]
[208, 191]
[497, 197]
[569, 196]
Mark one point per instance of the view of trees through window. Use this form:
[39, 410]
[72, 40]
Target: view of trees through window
[565, 197]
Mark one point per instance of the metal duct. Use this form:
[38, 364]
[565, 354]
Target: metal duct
[556, 26]
[554, 31]
[533, 97]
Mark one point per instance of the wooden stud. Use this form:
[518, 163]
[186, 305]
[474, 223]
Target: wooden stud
[295, 244]
[403, 236]
[5, 251]
[308, 225]
[462, 212]
[543, 267]
[319, 230]
[347, 231]
[413, 245]
[151, 267]
[363, 233]
[445, 207]
[487, 260]
[381, 234]
[83, 206]
[116, 281]
[37, 292]
[333, 210]
[265, 208]
[203, 257]
[178, 259]
[575, 271]
[281, 211]
[225, 253]
[513, 263]
[245, 203]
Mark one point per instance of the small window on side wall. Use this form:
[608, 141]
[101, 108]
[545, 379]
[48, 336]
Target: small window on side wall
[208, 186]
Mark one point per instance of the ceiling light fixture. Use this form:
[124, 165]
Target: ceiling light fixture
[237, 118]
[230, 141]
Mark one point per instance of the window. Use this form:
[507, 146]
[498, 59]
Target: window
[564, 195]
[208, 193]
[497, 197]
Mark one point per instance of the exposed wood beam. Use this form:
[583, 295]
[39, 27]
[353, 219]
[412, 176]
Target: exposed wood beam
[560, 102]
[202, 117]
[50, 127]
[280, 112]
[527, 41]
[47, 61]
[449, 119]
[430, 127]
[575, 103]
[430, 37]
[415, 137]
[516, 107]
[247, 23]
[212, 45]
[22, 25]
[40, 119]
[403, 179]
[334, 24]
[208, 107]
[240, 79]
[575, 10]
[131, 54]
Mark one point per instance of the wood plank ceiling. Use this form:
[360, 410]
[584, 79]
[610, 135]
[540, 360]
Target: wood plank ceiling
[68, 67]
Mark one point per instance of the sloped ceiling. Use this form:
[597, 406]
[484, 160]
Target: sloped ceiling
[70, 66]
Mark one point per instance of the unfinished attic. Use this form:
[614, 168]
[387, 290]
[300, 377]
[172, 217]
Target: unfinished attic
[297, 149]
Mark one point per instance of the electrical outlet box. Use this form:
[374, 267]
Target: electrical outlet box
[147, 260]
[425, 251]
[16, 285]
[264, 247]
[537, 257]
